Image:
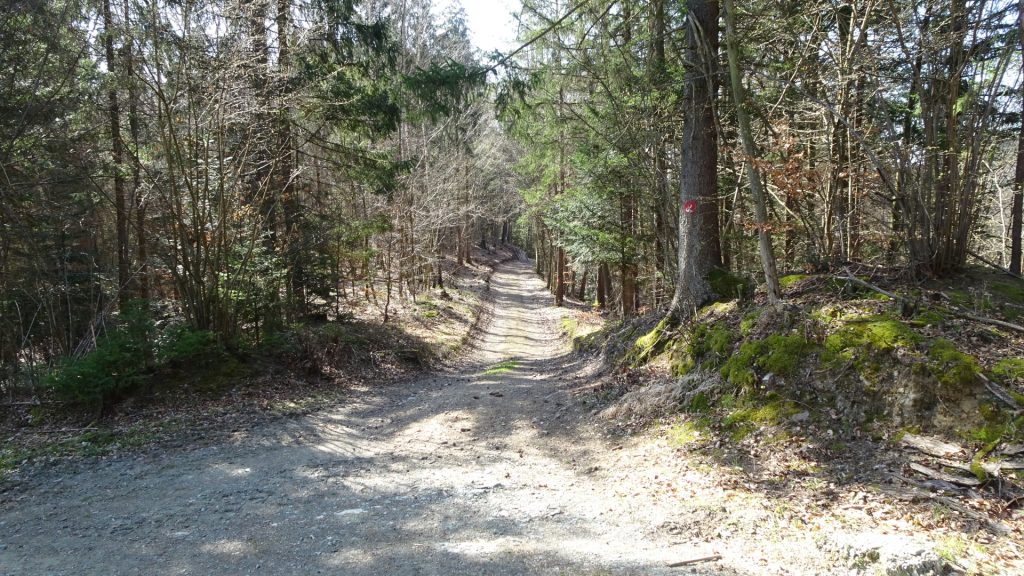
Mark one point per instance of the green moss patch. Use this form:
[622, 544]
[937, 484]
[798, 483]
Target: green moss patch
[929, 317]
[1009, 370]
[752, 415]
[569, 326]
[1011, 291]
[749, 321]
[706, 343]
[501, 367]
[779, 354]
[651, 344]
[790, 279]
[952, 368]
[729, 286]
[870, 334]
[687, 432]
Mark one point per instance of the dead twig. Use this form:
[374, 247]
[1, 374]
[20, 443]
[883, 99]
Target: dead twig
[950, 478]
[66, 430]
[681, 563]
[915, 493]
[989, 321]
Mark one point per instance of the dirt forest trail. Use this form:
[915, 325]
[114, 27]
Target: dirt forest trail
[485, 468]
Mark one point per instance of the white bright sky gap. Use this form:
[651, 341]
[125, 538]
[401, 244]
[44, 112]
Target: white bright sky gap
[491, 25]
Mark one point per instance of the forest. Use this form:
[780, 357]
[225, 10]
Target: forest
[740, 266]
[233, 168]
[236, 167]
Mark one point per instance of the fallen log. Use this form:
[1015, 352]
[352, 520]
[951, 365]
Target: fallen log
[931, 446]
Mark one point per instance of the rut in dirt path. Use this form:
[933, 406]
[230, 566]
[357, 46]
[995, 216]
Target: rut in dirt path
[487, 468]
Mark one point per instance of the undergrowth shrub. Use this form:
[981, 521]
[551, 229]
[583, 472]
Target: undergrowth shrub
[126, 356]
[184, 346]
[116, 366]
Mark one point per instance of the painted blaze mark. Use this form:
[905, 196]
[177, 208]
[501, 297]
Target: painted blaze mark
[690, 207]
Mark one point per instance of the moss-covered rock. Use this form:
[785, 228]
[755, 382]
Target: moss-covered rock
[652, 343]
[790, 279]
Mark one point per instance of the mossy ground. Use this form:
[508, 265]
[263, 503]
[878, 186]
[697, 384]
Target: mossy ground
[756, 412]
[839, 350]
[851, 368]
[502, 367]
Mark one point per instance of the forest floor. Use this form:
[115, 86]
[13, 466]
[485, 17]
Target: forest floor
[490, 466]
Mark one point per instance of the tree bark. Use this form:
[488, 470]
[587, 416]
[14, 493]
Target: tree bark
[1017, 208]
[698, 173]
[141, 240]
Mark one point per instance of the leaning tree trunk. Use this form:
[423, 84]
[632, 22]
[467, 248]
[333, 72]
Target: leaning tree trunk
[764, 240]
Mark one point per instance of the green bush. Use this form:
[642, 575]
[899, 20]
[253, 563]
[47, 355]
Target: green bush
[182, 345]
[115, 367]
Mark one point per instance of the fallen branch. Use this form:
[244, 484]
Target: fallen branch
[851, 278]
[905, 301]
[996, 266]
[681, 563]
[66, 430]
[916, 494]
[998, 391]
[991, 468]
[989, 321]
[937, 475]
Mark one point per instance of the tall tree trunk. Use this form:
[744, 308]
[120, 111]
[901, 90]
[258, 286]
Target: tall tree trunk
[141, 240]
[698, 173]
[1017, 208]
[287, 159]
[117, 157]
[764, 240]
[560, 277]
[602, 285]
[628, 296]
